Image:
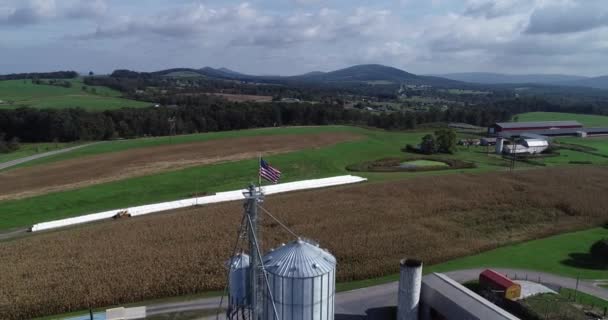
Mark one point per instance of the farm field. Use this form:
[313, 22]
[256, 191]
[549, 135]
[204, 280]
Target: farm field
[600, 144]
[22, 93]
[85, 171]
[132, 144]
[564, 254]
[243, 97]
[29, 149]
[369, 227]
[299, 165]
[183, 183]
[586, 119]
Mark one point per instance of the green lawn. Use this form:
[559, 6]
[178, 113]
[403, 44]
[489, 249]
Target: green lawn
[306, 164]
[19, 93]
[586, 119]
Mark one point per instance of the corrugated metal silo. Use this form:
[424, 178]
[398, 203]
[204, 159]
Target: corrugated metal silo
[238, 280]
[302, 280]
[410, 283]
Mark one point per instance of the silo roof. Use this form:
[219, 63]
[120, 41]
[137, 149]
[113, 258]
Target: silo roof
[299, 259]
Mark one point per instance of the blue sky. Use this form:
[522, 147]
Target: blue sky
[296, 36]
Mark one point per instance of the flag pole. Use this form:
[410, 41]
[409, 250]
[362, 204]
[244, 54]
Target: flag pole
[259, 171]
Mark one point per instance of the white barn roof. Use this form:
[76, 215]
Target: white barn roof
[540, 124]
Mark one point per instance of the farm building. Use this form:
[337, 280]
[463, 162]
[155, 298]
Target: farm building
[510, 127]
[529, 146]
[444, 298]
[488, 141]
[498, 283]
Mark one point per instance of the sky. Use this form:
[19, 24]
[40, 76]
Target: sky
[289, 37]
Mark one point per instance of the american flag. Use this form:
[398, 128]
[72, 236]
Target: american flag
[269, 173]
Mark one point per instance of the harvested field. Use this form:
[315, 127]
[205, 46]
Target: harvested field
[81, 172]
[243, 97]
[369, 227]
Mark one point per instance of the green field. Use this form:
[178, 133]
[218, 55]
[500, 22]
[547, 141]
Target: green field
[307, 164]
[586, 119]
[552, 255]
[425, 163]
[29, 149]
[562, 255]
[23, 93]
[128, 144]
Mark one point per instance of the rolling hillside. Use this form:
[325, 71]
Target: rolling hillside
[546, 79]
[23, 93]
[498, 78]
[367, 73]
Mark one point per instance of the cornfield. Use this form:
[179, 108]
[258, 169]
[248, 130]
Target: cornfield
[368, 227]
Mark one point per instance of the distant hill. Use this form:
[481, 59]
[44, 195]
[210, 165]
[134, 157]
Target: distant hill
[373, 73]
[498, 78]
[597, 82]
[364, 72]
[367, 73]
[231, 72]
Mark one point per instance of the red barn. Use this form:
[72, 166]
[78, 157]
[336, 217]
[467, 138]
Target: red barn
[494, 281]
[533, 126]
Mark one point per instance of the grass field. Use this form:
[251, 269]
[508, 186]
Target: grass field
[555, 258]
[22, 93]
[425, 163]
[564, 254]
[586, 119]
[129, 144]
[29, 149]
[600, 144]
[307, 164]
[368, 227]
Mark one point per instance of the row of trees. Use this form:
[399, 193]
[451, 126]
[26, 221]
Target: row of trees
[33, 125]
[40, 75]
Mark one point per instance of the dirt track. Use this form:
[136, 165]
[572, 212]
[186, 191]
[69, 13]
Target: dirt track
[85, 171]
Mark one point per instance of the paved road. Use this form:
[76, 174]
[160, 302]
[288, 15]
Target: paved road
[19, 161]
[366, 303]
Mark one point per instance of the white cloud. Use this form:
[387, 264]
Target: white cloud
[488, 35]
[569, 17]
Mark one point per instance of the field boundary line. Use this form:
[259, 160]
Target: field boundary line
[12, 163]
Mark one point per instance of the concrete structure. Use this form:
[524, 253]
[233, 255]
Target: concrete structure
[302, 280]
[444, 298]
[500, 127]
[500, 142]
[238, 280]
[410, 284]
[499, 285]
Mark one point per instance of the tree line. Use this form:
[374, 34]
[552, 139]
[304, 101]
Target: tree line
[35, 125]
[40, 75]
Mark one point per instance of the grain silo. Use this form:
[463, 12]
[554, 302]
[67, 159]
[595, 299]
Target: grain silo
[500, 145]
[302, 280]
[238, 280]
[410, 283]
